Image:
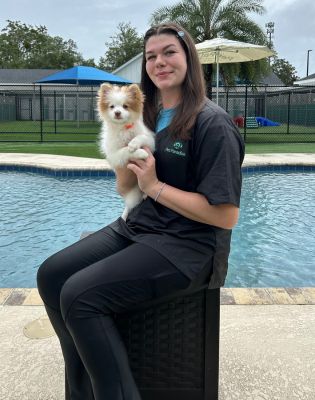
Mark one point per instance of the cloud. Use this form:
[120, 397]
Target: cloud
[293, 30]
[91, 23]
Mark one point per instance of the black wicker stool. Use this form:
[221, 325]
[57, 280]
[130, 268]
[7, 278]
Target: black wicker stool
[173, 345]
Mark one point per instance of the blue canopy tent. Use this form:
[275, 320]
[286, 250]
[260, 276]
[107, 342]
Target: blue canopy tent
[81, 75]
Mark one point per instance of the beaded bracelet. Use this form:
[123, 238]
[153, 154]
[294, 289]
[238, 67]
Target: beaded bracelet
[159, 192]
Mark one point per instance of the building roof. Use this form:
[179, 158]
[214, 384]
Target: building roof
[307, 77]
[307, 80]
[272, 79]
[24, 75]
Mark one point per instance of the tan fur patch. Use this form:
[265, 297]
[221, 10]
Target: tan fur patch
[102, 104]
[135, 98]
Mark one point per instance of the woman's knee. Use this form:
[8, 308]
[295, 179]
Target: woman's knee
[79, 301]
[44, 275]
[76, 301]
[48, 281]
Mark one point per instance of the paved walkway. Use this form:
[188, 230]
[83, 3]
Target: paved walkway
[73, 163]
[267, 352]
[267, 349]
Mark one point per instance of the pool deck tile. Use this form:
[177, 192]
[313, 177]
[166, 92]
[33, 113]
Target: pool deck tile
[241, 296]
[17, 297]
[280, 296]
[33, 298]
[260, 296]
[309, 294]
[4, 294]
[226, 296]
[229, 296]
[300, 296]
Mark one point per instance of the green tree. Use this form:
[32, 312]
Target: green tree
[89, 62]
[208, 19]
[27, 46]
[284, 70]
[123, 46]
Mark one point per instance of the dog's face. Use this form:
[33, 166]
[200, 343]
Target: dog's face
[120, 104]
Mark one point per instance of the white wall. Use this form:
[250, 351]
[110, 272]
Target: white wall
[131, 70]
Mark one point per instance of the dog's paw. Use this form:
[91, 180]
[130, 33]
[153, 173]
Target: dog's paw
[134, 145]
[141, 154]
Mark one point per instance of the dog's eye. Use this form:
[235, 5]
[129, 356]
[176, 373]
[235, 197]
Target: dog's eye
[125, 106]
[112, 106]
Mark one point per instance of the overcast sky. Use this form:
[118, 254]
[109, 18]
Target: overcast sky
[90, 23]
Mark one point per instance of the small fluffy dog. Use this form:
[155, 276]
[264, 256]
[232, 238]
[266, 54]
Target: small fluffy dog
[123, 131]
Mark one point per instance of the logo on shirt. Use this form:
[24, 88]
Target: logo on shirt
[176, 149]
[178, 145]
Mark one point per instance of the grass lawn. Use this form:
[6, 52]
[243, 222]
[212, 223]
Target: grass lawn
[81, 141]
[260, 148]
[281, 130]
[29, 127]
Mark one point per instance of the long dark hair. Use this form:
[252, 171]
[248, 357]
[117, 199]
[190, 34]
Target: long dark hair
[193, 86]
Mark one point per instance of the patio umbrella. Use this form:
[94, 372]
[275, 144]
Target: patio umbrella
[81, 75]
[221, 50]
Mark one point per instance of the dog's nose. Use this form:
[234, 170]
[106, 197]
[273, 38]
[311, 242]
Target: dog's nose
[117, 113]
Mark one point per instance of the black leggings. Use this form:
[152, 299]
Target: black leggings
[81, 287]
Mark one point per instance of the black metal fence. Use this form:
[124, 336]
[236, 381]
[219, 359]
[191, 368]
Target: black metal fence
[48, 113]
[264, 114]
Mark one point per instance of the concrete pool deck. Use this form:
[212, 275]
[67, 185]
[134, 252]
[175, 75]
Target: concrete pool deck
[267, 348]
[267, 351]
[79, 163]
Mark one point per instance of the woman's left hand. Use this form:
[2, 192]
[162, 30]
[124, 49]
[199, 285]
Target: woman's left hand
[146, 173]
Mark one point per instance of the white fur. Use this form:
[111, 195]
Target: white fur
[120, 142]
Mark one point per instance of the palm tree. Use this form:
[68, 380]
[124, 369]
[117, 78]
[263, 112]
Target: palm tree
[208, 19]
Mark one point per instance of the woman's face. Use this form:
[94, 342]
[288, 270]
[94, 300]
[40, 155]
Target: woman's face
[166, 62]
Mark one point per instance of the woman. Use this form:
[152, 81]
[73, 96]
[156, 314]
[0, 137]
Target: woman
[193, 184]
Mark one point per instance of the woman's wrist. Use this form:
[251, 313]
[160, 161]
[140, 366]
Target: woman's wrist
[159, 192]
[155, 190]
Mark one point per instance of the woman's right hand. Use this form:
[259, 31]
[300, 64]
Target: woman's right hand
[125, 180]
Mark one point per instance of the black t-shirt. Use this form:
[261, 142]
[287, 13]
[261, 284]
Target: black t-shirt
[208, 163]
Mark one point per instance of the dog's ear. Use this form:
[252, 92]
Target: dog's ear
[135, 92]
[104, 89]
[101, 96]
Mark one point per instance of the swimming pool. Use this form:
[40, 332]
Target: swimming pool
[273, 244]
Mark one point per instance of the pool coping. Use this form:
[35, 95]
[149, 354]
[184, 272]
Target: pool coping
[49, 162]
[229, 296]
[77, 166]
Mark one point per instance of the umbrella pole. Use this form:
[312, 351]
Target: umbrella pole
[217, 80]
[78, 111]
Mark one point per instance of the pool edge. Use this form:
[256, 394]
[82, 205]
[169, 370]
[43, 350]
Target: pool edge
[229, 296]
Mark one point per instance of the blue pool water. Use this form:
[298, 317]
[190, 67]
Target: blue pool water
[273, 244]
